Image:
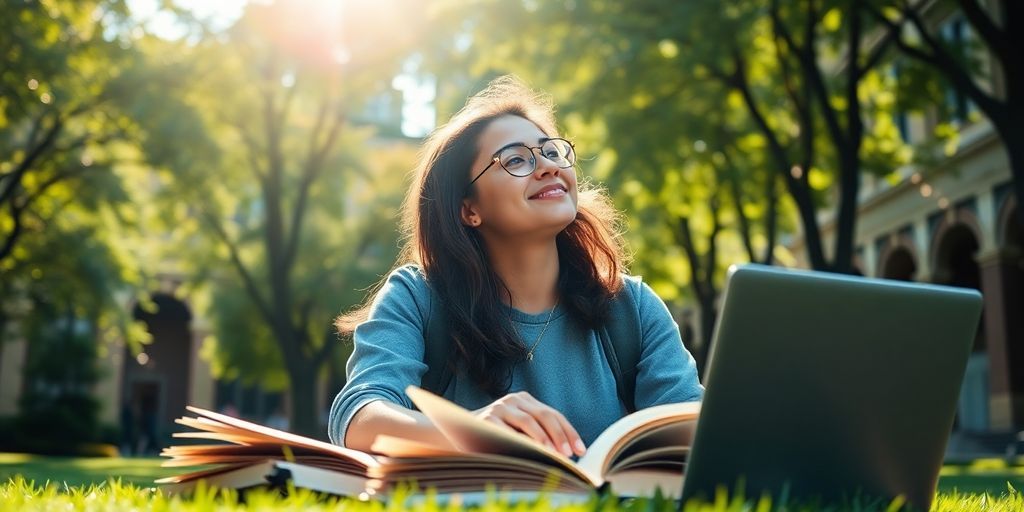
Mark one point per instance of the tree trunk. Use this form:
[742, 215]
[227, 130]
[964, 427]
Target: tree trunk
[1011, 130]
[846, 221]
[1014, 143]
[708, 316]
[305, 416]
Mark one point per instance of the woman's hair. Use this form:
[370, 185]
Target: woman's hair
[453, 258]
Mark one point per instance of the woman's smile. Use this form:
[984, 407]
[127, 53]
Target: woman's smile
[553, 191]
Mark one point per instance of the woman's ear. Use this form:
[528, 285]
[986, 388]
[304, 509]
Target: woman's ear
[468, 214]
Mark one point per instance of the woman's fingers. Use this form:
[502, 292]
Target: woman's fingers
[537, 420]
[561, 432]
[527, 424]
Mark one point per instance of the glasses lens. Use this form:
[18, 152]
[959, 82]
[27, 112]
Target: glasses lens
[518, 160]
[560, 152]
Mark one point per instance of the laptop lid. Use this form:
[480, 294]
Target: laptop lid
[830, 387]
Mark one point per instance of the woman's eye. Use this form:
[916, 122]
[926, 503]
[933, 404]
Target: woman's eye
[514, 162]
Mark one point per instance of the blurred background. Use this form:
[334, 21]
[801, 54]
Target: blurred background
[190, 191]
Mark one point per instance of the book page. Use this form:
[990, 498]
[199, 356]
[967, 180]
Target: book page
[253, 475]
[258, 434]
[471, 434]
[631, 428]
[401, 447]
[646, 483]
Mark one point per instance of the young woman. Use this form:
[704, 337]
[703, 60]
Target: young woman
[525, 261]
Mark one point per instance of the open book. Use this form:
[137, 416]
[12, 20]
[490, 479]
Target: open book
[634, 456]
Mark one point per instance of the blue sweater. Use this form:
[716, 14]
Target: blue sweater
[569, 371]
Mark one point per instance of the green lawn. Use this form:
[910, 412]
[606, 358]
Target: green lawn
[961, 487]
[982, 475]
[82, 471]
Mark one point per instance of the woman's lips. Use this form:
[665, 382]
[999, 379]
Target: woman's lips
[550, 192]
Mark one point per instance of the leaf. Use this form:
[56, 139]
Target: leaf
[832, 19]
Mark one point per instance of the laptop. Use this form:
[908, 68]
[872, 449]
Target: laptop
[830, 389]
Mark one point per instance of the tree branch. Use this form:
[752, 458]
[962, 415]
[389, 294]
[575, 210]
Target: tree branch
[882, 45]
[236, 260]
[684, 238]
[15, 232]
[711, 261]
[995, 37]
[53, 180]
[787, 76]
[31, 156]
[854, 126]
[771, 219]
[739, 82]
[312, 169]
[731, 174]
[812, 73]
[955, 72]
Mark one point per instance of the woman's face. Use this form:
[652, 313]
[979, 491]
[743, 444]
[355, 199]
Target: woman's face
[542, 204]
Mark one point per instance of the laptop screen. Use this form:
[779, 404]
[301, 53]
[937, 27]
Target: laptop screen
[830, 387]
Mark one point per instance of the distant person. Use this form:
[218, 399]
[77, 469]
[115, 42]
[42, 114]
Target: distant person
[229, 409]
[129, 427]
[277, 419]
[148, 442]
[527, 263]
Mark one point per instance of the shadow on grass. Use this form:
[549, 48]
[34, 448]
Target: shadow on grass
[982, 475]
[77, 471]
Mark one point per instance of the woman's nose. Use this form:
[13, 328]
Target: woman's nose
[546, 167]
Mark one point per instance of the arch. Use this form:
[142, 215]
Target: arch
[155, 382]
[1010, 233]
[898, 256]
[955, 250]
[954, 220]
[898, 263]
[955, 254]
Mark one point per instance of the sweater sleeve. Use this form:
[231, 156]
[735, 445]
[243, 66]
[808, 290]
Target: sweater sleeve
[666, 373]
[388, 350]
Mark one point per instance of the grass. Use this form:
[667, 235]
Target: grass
[982, 476]
[988, 485]
[82, 471]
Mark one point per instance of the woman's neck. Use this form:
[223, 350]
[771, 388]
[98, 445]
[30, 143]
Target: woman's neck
[530, 271]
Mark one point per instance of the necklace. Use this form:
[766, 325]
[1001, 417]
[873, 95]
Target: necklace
[529, 353]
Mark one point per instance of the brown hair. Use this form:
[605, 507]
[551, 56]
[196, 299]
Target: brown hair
[452, 256]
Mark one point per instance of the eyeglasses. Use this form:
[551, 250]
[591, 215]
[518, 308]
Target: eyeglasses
[518, 159]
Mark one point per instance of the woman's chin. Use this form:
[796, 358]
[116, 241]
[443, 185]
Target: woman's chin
[559, 222]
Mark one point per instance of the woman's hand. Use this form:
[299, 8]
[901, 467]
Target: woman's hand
[524, 413]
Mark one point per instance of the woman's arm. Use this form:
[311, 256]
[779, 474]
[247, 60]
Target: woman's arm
[387, 354]
[385, 418]
[666, 372]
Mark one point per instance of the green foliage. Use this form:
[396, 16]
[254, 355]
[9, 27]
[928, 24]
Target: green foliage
[718, 94]
[289, 213]
[83, 116]
[57, 410]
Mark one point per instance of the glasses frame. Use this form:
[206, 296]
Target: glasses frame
[496, 160]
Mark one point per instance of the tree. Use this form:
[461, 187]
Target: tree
[957, 62]
[817, 65]
[83, 117]
[792, 68]
[280, 90]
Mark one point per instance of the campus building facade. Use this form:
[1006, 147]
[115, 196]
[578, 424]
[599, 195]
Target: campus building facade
[954, 224]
